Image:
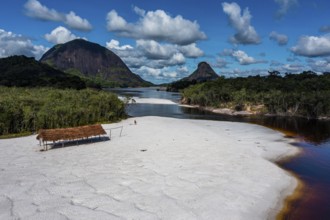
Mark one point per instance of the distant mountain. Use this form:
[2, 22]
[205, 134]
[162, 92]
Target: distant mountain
[203, 73]
[21, 71]
[92, 61]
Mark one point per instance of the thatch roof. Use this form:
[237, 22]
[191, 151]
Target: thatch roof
[70, 133]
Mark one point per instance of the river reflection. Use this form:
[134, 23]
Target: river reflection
[313, 136]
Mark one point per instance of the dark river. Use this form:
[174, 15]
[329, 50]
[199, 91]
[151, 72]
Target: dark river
[312, 166]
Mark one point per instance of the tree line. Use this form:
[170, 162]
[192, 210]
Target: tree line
[306, 94]
[30, 109]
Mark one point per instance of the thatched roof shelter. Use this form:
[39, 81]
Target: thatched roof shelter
[74, 133]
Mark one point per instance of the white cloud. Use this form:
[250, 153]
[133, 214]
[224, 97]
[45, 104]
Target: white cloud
[160, 75]
[285, 5]
[76, 22]
[60, 35]
[156, 51]
[191, 51]
[183, 70]
[36, 10]
[15, 44]
[157, 62]
[281, 39]
[137, 56]
[287, 67]
[221, 63]
[243, 73]
[116, 23]
[312, 46]
[244, 59]
[293, 68]
[156, 25]
[320, 66]
[139, 11]
[245, 33]
[163, 54]
[171, 74]
[114, 45]
[177, 59]
[150, 71]
[226, 52]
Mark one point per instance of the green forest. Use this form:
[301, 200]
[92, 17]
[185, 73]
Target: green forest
[306, 94]
[26, 110]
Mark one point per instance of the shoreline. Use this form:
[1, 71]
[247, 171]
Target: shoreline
[291, 194]
[285, 207]
[224, 169]
[227, 111]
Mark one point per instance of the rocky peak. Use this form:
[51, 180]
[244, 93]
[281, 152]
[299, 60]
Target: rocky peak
[204, 72]
[87, 59]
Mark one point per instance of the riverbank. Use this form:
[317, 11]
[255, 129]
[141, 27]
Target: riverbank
[231, 112]
[161, 168]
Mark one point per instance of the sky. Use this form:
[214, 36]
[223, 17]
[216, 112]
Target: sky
[164, 40]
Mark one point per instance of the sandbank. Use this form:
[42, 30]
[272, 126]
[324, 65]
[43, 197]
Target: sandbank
[149, 101]
[160, 168]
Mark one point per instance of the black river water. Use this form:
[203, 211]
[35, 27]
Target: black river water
[312, 166]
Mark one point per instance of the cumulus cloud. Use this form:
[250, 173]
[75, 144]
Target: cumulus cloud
[245, 33]
[226, 52]
[221, 63]
[183, 70]
[60, 35]
[166, 74]
[157, 62]
[139, 11]
[280, 39]
[114, 45]
[171, 74]
[36, 10]
[148, 53]
[320, 66]
[312, 46]
[243, 73]
[191, 51]
[156, 25]
[76, 22]
[15, 44]
[116, 23]
[154, 50]
[285, 5]
[293, 68]
[245, 59]
[150, 71]
[287, 67]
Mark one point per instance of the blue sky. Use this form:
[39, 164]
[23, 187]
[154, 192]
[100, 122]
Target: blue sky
[164, 40]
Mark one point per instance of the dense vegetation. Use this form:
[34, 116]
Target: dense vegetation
[30, 109]
[21, 71]
[306, 94]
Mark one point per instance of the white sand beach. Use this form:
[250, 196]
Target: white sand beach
[150, 101]
[161, 168]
